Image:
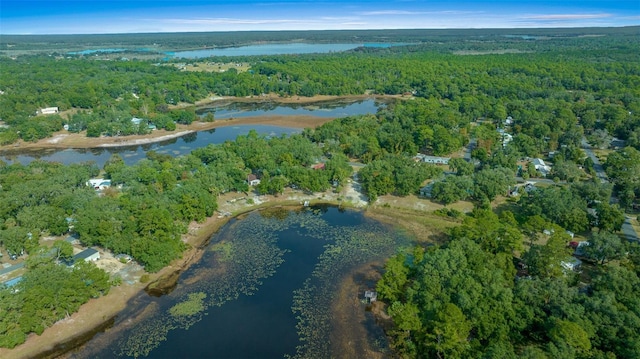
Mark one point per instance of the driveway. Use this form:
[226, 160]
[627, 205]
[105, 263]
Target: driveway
[597, 166]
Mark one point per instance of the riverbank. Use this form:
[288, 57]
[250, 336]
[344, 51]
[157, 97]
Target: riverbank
[65, 139]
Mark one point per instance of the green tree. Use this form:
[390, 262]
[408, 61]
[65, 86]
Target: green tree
[604, 246]
[63, 250]
[392, 284]
[609, 217]
[449, 332]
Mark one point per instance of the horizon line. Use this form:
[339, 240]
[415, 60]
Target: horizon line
[322, 30]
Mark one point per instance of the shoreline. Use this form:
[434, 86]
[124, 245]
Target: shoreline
[67, 140]
[67, 334]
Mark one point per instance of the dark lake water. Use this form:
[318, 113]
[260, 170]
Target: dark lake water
[277, 266]
[185, 144]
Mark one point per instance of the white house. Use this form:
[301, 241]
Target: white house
[540, 166]
[432, 159]
[571, 264]
[48, 111]
[505, 137]
[508, 121]
[252, 180]
[88, 255]
[99, 183]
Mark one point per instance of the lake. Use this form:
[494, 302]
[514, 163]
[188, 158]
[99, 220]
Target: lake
[249, 50]
[185, 144]
[264, 288]
[275, 49]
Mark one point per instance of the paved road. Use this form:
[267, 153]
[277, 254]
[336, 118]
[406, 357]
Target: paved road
[597, 166]
[468, 149]
[627, 228]
[12, 268]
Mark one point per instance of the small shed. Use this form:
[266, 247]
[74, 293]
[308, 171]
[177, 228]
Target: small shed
[370, 296]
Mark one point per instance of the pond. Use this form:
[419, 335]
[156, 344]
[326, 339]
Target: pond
[264, 288]
[329, 109]
[185, 144]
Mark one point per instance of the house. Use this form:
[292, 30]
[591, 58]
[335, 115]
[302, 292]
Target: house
[318, 166]
[571, 264]
[431, 159]
[540, 166]
[252, 180]
[529, 187]
[11, 282]
[508, 121]
[136, 121]
[99, 183]
[87, 255]
[506, 137]
[48, 111]
[579, 247]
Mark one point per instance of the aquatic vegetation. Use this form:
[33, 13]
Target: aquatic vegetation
[246, 252]
[223, 249]
[189, 307]
[312, 303]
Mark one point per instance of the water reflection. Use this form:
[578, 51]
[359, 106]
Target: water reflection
[332, 109]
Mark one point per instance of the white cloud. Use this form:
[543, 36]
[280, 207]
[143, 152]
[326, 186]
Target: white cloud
[556, 17]
[406, 12]
[228, 21]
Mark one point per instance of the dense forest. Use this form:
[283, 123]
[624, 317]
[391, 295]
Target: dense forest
[495, 288]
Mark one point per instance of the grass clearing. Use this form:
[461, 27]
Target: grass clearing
[213, 66]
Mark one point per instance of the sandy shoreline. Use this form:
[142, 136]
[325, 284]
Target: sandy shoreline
[67, 140]
[97, 312]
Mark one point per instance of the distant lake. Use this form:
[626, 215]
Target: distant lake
[249, 50]
[275, 49]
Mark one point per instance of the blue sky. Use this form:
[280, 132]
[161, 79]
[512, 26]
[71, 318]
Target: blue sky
[125, 16]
